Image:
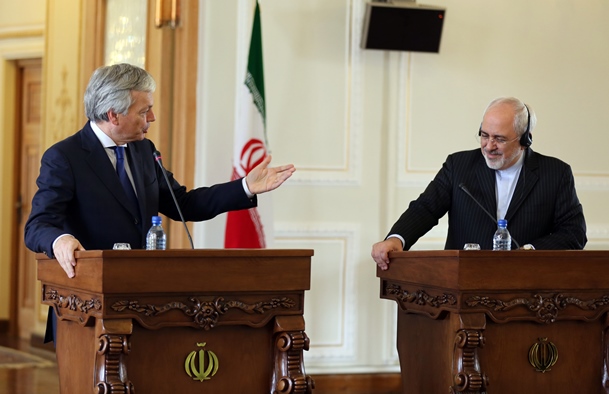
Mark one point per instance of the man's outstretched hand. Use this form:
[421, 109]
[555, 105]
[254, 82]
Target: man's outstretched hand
[264, 178]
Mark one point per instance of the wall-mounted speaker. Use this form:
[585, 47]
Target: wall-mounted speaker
[402, 27]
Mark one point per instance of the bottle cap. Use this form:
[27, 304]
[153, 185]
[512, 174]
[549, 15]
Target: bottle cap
[156, 220]
[472, 246]
[502, 223]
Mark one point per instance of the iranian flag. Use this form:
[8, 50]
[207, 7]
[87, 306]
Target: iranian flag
[244, 228]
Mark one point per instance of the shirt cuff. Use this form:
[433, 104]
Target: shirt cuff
[398, 237]
[245, 188]
[57, 239]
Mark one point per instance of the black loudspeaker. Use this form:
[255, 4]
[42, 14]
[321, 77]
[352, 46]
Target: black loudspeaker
[526, 139]
[402, 27]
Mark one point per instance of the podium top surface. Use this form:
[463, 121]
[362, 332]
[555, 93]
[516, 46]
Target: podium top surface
[188, 253]
[501, 270]
[182, 270]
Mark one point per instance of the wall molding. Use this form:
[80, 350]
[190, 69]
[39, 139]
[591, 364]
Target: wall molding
[350, 172]
[347, 235]
[27, 31]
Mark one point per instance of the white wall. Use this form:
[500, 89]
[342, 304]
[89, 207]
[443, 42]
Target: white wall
[367, 130]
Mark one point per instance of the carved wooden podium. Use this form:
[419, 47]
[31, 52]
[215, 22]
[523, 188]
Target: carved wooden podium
[180, 321]
[501, 322]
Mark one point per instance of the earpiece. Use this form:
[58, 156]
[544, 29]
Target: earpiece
[527, 139]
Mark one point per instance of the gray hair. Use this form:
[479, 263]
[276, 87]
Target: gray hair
[110, 89]
[522, 118]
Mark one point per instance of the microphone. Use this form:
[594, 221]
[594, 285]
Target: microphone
[464, 188]
[157, 157]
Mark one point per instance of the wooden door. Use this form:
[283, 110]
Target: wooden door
[24, 296]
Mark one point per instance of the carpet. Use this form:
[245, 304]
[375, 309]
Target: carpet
[13, 359]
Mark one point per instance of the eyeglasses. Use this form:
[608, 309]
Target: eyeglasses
[485, 138]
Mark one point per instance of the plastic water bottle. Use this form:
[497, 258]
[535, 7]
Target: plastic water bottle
[156, 238]
[502, 240]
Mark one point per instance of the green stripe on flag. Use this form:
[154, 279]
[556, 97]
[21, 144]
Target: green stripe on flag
[254, 79]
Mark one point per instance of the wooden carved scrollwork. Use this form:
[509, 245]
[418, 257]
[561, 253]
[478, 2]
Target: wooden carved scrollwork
[205, 314]
[468, 378]
[545, 308]
[419, 297]
[72, 307]
[289, 376]
[113, 347]
[605, 332]
[72, 302]
[113, 379]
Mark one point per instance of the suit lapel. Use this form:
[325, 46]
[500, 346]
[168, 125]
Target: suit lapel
[526, 181]
[97, 159]
[486, 183]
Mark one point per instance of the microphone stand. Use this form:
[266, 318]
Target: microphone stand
[464, 188]
[157, 157]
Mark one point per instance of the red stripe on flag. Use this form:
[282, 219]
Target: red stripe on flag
[244, 228]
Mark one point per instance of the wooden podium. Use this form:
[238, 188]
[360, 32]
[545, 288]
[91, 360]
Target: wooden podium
[180, 321]
[501, 322]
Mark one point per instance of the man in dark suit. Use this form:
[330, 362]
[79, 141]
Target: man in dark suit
[80, 203]
[534, 193]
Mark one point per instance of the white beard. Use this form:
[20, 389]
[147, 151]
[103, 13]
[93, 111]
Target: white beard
[498, 162]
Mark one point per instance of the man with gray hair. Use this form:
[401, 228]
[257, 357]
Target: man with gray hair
[504, 179]
[82, 204]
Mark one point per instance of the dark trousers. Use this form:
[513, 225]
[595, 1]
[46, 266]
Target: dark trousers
[50, 333]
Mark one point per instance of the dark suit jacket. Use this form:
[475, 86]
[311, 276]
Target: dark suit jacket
[79, 193]
[544, 210]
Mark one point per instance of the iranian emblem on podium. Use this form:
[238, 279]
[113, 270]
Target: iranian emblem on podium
[543, 355]
[203, 367]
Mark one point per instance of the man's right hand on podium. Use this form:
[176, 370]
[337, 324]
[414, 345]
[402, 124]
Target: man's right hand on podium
[380, 251]
[63, 250]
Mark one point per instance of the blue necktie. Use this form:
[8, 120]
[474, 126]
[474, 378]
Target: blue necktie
[123, 177]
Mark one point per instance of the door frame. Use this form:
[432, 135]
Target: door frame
[17, 262]
[24, 44]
